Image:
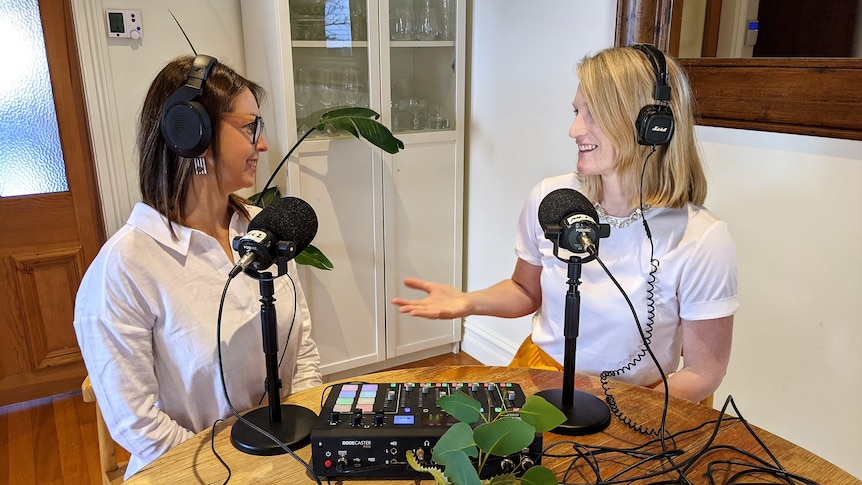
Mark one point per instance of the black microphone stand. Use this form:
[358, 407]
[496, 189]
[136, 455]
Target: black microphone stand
[585, 413]
[290, 424]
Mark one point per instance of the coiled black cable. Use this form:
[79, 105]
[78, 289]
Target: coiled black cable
[644, 331]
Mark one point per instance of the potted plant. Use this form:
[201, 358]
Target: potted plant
[464, 449]
[361, 123]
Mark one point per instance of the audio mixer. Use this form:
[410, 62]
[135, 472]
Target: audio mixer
[365, 430]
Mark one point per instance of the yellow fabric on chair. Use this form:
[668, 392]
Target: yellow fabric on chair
[532, 356]
[112, 472]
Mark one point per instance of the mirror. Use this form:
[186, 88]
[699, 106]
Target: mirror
[766, 28]
[807, 96]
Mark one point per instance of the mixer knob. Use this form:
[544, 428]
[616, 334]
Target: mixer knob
[379, 418]
[507, 465]
[356, 419]
[334, 418]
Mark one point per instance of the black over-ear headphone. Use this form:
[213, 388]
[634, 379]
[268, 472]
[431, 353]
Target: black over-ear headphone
[186, 125]
[655, 121]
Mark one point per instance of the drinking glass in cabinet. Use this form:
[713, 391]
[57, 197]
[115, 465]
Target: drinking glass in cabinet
[352, 88]
[358, 20]
[307, 19]
[428, 27]
[401, 20]
[447, 19]
[327, 87]
[303, 92]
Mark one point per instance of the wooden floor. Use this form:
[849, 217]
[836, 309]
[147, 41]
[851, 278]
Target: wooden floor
[52, 441]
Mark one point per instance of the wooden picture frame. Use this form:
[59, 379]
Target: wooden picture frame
[807, 96]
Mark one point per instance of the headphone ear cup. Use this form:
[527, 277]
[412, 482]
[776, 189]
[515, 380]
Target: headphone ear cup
[186, 128]
[655, 125]
[185, 123]
[655, 122]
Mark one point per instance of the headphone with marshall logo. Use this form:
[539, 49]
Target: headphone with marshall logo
[655, 121]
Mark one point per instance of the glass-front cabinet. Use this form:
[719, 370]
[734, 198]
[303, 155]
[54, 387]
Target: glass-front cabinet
[382, 217]
[335, 60]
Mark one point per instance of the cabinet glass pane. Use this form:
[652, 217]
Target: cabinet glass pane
[31, 160]
[330, 57]
[422, 59]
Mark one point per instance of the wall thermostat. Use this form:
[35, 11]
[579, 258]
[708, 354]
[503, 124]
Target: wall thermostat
[124, 23]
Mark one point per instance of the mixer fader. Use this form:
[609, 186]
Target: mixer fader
[365, 429]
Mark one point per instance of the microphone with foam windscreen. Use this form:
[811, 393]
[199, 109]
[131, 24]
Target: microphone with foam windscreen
[569, 219]
[288, 219]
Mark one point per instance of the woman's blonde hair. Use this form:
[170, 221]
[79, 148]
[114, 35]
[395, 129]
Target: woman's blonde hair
[617, 83]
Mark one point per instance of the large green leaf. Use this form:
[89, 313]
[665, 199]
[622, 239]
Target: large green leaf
[312, 256]
[361, 123]
[539, 475]
[507, 479]
[463, 407]
[460, 471]
[541, 415]
[457, 439]
[266, 197]
[504, 436]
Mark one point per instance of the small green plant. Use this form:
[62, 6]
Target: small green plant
[359, 122]
[507, 433]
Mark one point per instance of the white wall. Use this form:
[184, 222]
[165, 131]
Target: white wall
[790, 201]
[118, 72]
[521, 87]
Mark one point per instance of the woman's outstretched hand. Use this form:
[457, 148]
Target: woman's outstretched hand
[442, 302]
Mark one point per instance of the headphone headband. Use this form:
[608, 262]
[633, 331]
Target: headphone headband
[659, 66]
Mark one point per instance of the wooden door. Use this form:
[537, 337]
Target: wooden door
[802, 28]
[47, 241]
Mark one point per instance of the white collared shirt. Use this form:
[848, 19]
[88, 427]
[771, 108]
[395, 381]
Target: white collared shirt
[146, 319]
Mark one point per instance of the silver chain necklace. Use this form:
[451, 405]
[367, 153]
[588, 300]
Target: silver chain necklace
[620, 222]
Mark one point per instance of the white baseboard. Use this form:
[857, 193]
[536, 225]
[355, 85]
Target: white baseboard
[488, 346]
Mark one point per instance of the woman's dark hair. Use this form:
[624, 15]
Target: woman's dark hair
[164, 176]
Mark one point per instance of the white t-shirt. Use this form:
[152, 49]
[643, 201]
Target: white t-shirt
[145, 317]
[696, 280]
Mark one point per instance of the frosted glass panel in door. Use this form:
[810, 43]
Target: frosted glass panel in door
[31, 160]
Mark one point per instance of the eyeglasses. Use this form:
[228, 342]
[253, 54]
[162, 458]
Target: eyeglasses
[253, 125]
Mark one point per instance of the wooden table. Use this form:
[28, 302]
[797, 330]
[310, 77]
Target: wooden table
[194, 462]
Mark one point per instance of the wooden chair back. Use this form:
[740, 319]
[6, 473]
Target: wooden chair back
[112, 470]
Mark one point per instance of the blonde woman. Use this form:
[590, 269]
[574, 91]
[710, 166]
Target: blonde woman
[682, 281]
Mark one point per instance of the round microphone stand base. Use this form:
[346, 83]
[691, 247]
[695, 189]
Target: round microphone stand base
[586, 415]
[293, 430]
